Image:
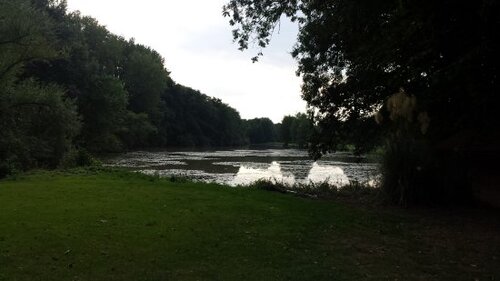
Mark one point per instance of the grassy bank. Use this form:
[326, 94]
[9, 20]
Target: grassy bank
[104, 225]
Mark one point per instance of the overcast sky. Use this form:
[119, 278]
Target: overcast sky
[196, 42]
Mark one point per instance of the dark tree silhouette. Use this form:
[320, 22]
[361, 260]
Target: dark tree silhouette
[429, 68]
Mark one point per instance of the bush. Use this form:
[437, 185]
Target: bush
[8, 167]
[79, 158]
[37, 125]
[352, 192]
[415, 174]
[270, 186]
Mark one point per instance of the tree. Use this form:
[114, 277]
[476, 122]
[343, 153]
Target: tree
[145, 78]
[230, 129]
[103, 107]
[95, 69]
[260, 130]
[61, 72]
[286, 130]
[37, 123]
[136, 130]
[25, 36]
[355, 55]
[297, 129]
[37, 126]
[302, 130]
[88, 70]
[191, 118]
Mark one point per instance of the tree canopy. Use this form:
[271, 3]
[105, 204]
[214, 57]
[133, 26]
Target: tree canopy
[37, 123]
[354, 55]
[67, 84]
[426, 69]
[296, 129]
[261, 130]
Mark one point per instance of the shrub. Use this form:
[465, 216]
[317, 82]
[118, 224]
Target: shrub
[353, 192]
[37, 125]
[79, 158]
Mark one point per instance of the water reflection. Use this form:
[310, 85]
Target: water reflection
[317, 174]
[325, 173]
[244, 166]
[247, 175]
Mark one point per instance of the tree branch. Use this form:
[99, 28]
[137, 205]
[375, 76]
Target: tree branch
[39, 104]
[15, 40]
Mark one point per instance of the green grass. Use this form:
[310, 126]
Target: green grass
[113, 225]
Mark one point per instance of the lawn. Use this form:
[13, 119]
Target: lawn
[115, 225]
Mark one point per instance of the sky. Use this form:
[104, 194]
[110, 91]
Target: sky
[197, 44]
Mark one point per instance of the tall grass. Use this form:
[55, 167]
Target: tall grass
[413, 173]
[353, 192]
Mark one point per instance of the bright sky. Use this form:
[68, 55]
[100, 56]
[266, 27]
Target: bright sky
[196, 42]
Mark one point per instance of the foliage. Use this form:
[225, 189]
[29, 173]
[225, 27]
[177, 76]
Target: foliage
[37, 122]
[59, 64]
[145, 78]
[36, 128]
[78, 158]
[354, 56]
[103, 107]
[125, 94]
[297, 129]
[25, 35]
[354, 192]
[260, 130]
[194, 119]
[137, 130]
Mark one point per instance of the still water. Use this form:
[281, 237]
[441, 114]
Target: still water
[244, 166]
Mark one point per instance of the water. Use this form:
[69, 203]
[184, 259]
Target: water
[244, 166]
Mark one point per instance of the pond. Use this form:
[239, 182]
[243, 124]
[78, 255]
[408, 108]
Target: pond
[237, 167]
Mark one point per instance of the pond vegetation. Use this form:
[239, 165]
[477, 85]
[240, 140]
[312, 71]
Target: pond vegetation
[244, 166]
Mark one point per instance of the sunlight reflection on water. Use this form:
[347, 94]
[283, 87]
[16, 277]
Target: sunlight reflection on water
[245, 166]
[274, 173]
[248, 175]
[324, 173]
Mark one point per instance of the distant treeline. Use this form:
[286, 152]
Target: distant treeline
[67, 83]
